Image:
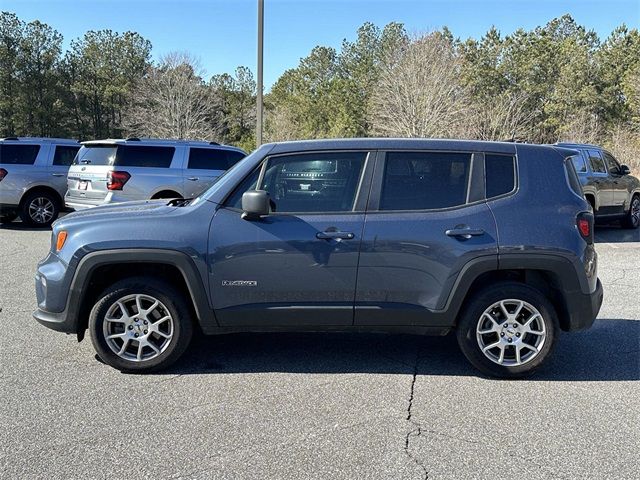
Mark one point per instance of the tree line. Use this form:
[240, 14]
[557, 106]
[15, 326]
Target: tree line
[553, 83]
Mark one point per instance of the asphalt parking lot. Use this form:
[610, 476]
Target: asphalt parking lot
[319, 406]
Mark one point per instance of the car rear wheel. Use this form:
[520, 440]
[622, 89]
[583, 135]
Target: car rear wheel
[632, 219]
[39, 209]
[140, 325]
[508, 330]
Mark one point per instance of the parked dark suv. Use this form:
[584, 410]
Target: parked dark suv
[493, 240]
[613, 193]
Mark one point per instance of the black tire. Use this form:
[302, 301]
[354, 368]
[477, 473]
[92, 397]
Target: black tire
[34, 199]
[476, 307]
[170, 300]
[632, 218]
[8, 218]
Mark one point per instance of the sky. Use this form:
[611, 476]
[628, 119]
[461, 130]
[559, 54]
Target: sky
[222, 33]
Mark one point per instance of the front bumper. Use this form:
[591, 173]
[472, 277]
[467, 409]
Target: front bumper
[53, 288]
[583, 308]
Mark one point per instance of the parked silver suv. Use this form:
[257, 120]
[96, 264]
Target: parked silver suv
[113, 171]
[33, 175]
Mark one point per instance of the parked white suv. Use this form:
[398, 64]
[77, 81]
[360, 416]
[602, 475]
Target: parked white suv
[114, 171]
[33, 178]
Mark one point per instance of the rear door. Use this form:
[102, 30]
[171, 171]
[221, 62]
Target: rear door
[297, 266]
[204, 166]
[426, 219]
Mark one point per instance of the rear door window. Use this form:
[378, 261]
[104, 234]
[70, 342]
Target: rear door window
[500, 174]
[596, 162]
[65, 155]
[18, 154]
[425, 180]
[144, 156]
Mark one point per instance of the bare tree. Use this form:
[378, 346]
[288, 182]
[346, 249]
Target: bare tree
[504, 117]
[172, 101]
[419, 93]
[624, 143]
[581, 127]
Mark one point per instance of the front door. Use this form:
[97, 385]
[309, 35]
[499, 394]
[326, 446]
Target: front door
[602, 182]
[297, 266]
[427, 219]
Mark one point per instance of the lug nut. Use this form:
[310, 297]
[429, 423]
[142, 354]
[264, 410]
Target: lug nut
[145, 322]
[502, 334]
[517, 334]
[136, 335]
[515, 325]
[130, 327]
[510, 340]
[145, 332]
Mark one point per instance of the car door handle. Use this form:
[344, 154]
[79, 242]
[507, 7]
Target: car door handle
[464, 232]
[334, 235]
[193, 179]
[58, 174]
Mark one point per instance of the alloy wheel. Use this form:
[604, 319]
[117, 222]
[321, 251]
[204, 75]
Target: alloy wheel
[41, 210]
[138, 327]
[511, 332]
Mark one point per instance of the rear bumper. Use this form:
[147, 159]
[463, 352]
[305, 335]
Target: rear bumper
[583, 308]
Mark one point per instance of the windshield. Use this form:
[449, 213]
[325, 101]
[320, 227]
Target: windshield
[96, 155]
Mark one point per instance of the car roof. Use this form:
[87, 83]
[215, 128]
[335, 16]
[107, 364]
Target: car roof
[578, 145]
[160, 142]
[68, 141]
[407, 144]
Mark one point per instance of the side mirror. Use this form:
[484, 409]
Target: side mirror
[256, 204]
[624, 170]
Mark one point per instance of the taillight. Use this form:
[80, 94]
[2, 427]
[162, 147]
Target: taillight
[584, 222]
[116, 180]
[3, 173]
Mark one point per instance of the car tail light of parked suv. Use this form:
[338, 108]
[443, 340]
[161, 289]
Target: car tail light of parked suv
[116, 180]
[3, 173]
[584, 223]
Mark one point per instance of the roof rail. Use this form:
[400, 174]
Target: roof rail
[214, 143]
[132, 139]
[10, 138]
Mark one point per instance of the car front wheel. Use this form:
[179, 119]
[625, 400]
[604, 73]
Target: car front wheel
[508, 330]
[140, 325]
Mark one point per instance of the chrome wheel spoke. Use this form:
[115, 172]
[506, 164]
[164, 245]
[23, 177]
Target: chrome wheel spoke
[125, 344]
[494, 325]
[492, 345]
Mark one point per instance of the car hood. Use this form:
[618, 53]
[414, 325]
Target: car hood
[120, 211]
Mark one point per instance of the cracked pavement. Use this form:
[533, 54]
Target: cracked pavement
[319, 405]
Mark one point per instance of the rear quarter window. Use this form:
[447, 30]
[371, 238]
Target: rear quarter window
[18, 154]
[579, 163]
[500, 174]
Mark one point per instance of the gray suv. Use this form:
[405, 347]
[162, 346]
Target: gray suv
[33, 178]
[491, 240]
[114, 171]
[613, 193]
